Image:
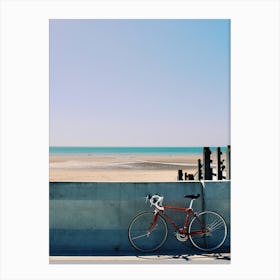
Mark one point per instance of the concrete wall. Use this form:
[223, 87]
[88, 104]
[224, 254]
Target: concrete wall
[93, 218]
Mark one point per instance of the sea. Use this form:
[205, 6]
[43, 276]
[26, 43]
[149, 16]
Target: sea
[71, 151]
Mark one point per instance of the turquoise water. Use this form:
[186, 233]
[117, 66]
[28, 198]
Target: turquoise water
[127, 150]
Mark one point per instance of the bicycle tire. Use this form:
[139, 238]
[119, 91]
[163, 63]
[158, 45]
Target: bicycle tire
[212, 239]
[139, 236]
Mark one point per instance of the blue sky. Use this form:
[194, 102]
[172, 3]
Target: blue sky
[139, 82]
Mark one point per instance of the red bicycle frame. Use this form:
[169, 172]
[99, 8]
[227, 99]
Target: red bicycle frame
[190, 213]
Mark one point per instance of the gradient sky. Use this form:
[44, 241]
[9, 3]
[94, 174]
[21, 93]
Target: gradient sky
[139, 82]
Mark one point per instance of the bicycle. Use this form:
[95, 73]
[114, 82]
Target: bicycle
[148, 231]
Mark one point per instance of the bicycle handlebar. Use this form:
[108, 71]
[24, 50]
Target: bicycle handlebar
[155, 200]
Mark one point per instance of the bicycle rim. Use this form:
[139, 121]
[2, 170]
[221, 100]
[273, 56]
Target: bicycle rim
[211, 235]
[143, 240]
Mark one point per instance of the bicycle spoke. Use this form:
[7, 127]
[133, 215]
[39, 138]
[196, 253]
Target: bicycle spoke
[146, 234]
[215, 225]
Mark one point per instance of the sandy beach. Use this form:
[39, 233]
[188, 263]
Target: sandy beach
[132, 168]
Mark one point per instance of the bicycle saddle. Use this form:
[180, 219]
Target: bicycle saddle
[192, 196]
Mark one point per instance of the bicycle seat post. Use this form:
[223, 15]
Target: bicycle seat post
[193, 197]
[191, 203]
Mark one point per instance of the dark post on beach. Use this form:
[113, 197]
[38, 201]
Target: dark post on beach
[190, 177]
[219, 164]
[199, 169]
[228, 162]
[180, 175]
[207, 170]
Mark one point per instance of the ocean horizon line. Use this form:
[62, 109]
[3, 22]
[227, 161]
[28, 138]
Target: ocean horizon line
[97, 146]
[128, 149]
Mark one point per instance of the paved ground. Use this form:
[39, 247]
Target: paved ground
[214, 258]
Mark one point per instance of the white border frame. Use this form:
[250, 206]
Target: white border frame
[24, 136]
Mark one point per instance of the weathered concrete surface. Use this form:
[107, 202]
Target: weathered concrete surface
[92, 218]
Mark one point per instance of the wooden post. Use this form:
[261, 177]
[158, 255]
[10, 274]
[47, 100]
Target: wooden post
[180, 175]
[207, 170]
[219, 164]
[190, 177]
[199, 169]
[228, 176]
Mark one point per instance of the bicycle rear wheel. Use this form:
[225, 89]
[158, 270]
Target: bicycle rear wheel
[208, 231]
[147, 233]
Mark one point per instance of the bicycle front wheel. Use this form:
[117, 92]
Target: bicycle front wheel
[208, 231]
[147, 232]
